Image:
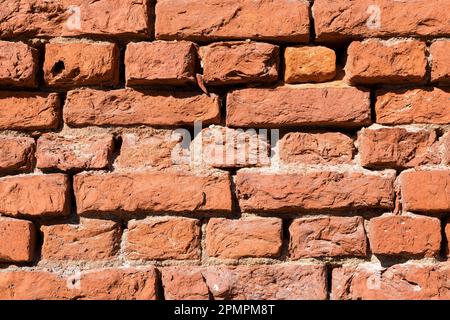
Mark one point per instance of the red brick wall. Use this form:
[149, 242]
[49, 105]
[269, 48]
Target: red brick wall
[321, 170]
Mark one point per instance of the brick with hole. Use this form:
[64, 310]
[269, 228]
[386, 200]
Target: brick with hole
[18, 64]
[17, 240]
[292, 106]
[309, 64]
[206, 20]
[223, 147]
[16, 154]
[327, 237]
[35, 195]
[89, 240]
[29, 111]
[426, 191]
[392, 235]
[409, 281]
[163, 238]
[81, 63]
[341, 20]
[161, 63]
[125, 107]
[239, 62]
[40, 18]
[152, 192]
[388, 62]
[97, 284]
[74, 150]
[440, 66]
[244, 238]
[413, 106]
[326, 190]
[316, 148]
[253, 282]
[398, 148]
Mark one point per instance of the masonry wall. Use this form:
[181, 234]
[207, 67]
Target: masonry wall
[321, 170]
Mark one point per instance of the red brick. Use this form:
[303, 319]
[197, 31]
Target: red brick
[245, 282]
[89, 240]
[81, 63]
[447, 236]
[100, 284]
[293, 192]
[130, 107]
[343, 19]
[411, 281]
[74, 150]
[446, 147]
[244, 238]
[16, 154]
[309, 64]
[407, 106]
[29, 111]
[160, 62]
[152, 192]
[288, 106]
[440, 67]
[184, 283]
[316, 148]
[34, 195]
[75, 17]
[405, 235]
[163, 238]
[18, 64]
[327, 237]
[223, 147]
[17, 240]
[228, 63]
[426, 191]
[390, 62]
[206, 20]
[398, 148]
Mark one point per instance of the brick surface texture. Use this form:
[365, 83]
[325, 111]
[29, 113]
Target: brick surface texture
[220, 149]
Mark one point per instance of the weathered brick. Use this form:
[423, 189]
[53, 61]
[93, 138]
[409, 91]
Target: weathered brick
[309, 64]
[327, 237]
[74, 150]
[74, 17]
[258, 282]
[34, 195]
[17, 240]
[426, 191]
[90, 240]
[244, 238]
[81, 63]
[16, 154]
[130, 107]
[316, 148]
[163, 238]
[440, 67]
[405, 235]
[29, 110]
[18, 64]
[228, 63]
[206, 20]
[408, 106]
[223, 147]
[343, 19]
[447, 236]
[398, 148]
[160, 62]
[446, 147]
[411, 281]
[152, 192]
[100, 284]
[390, 62]
[291, 192]
[298, 106]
